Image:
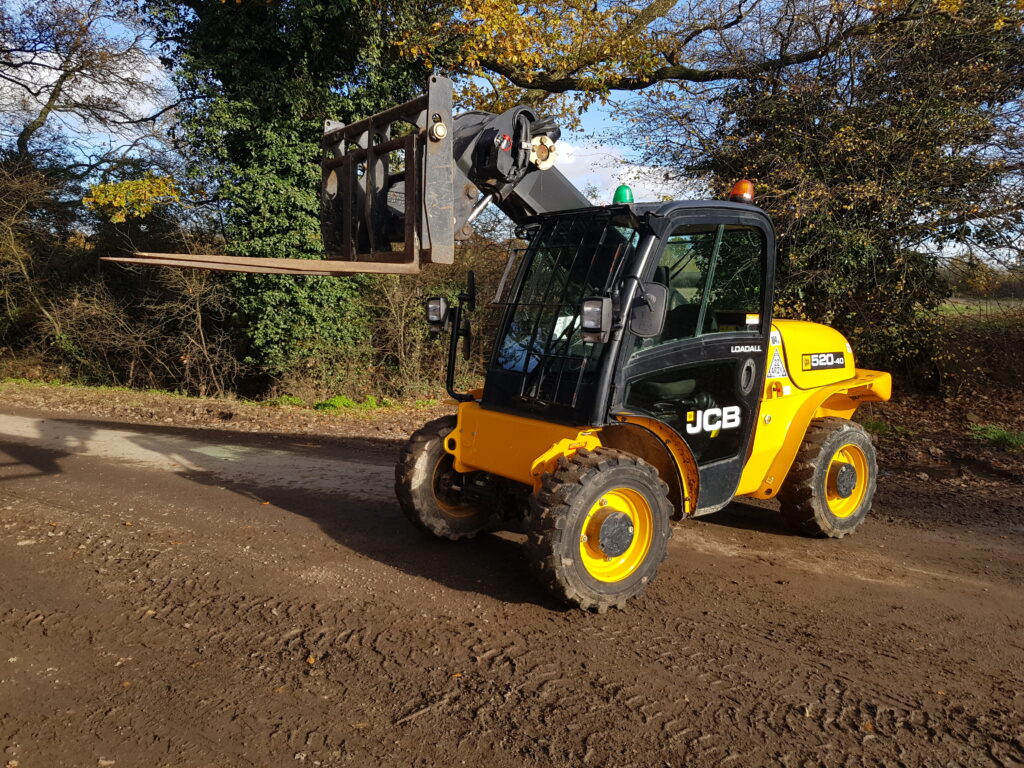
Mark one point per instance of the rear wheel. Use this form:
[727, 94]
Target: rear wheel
[429, 489]
[599, 528]
[831, 485]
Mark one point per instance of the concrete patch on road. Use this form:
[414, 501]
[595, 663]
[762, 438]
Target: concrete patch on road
[253, 465]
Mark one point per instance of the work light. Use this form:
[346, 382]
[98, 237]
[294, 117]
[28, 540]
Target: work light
[437, 312]
[742, 192]
[596, 319]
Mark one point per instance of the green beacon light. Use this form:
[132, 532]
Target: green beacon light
[623, 194]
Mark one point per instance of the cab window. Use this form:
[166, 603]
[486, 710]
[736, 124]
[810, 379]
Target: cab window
[715, 278]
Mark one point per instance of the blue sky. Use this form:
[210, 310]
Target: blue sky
[589, 158]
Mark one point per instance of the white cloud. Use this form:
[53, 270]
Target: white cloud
[605, 167]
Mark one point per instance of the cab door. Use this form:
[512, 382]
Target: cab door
[703, 374]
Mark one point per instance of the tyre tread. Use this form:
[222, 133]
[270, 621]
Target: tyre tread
[414, 451]
[549, 514]
[799, 499]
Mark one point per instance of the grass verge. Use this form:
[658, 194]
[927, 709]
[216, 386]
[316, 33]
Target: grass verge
[999, 437]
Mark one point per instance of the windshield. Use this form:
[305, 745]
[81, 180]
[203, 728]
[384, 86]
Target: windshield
[571, 257]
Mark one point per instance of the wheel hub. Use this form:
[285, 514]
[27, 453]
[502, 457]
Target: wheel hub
[615, 533]
[616, 536]
[844, 479]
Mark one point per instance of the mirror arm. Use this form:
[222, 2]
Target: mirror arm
[453, 350]
[460, 330]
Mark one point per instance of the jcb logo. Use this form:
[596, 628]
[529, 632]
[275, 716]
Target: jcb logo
[713, 419]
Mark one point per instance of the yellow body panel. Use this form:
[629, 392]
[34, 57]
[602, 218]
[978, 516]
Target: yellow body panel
[514, 447]
[787, 408]
[815, 355]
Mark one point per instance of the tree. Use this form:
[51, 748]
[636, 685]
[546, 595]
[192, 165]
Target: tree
[20, 192]
[83, 103]
[258, 80]
[876, 162]
[581, 50]
[77, 77]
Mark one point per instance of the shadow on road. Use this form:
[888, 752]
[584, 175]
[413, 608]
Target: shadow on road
[343, 485]
[762, 517]
[491, 564]
[41, 461]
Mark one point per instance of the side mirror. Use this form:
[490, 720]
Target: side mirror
[648, 316]
[437, 312]
[596, 319]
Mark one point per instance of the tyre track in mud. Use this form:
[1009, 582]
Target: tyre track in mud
[207, 633]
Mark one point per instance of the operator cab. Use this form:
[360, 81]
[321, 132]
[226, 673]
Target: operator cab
[706, 266]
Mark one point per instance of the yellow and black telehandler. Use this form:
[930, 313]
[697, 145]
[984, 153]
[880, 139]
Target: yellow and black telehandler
[638, 375]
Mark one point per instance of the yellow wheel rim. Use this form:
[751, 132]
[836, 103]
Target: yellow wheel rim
[854, 456]
[612, 569]
[454, 511]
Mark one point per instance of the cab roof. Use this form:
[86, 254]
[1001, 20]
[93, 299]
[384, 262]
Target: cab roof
[666, 208]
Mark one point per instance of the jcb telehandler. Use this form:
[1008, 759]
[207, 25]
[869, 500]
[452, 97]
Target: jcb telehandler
[638, 376]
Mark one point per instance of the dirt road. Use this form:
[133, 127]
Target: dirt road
[195, 598]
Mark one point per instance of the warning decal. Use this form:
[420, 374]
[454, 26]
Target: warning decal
[777, 370]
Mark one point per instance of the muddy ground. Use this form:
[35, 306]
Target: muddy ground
[243, 591]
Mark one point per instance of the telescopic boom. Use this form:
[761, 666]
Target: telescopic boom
[401, 187]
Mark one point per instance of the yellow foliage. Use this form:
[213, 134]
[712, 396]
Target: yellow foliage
[590, 42]
[135, 198]
[573, 51]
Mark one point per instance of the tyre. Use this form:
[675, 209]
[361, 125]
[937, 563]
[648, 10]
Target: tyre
[429, 490]
[831, 484]
[598, 528]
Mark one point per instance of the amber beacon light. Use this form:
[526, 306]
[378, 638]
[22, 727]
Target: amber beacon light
[742, 192]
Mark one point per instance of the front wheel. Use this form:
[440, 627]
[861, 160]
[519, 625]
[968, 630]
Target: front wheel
[831, 484]
[599, 528]
[430, 491]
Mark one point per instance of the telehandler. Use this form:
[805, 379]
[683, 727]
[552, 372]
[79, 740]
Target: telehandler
[638, 376]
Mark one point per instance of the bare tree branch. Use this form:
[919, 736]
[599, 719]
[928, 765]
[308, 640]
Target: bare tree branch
[84, 61]
[555, 83]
